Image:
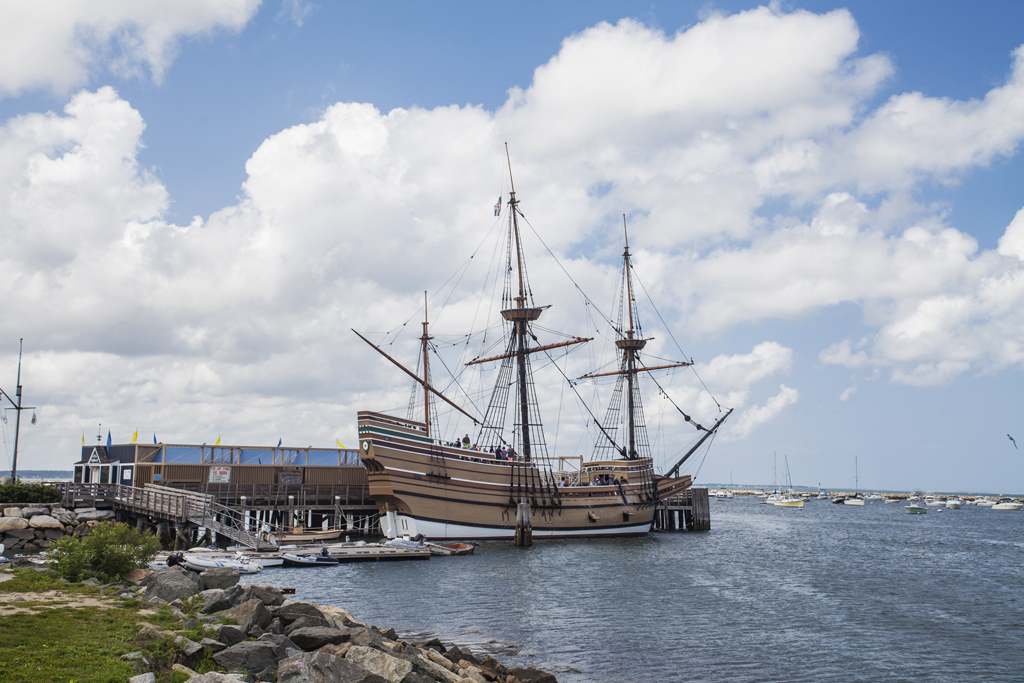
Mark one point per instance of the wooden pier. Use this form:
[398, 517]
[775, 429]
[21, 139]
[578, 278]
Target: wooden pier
[687, 511]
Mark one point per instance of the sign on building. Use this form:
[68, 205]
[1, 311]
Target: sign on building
[220, 475]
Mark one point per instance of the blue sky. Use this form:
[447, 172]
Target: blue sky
[161, 344]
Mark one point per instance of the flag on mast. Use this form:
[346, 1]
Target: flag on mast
[339, 443]
[135, 436]
[217, 442]
[497, 207]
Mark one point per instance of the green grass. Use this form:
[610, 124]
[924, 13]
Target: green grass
[65, 644]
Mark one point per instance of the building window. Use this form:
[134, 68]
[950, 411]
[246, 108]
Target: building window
[105, 474]
[78, 474]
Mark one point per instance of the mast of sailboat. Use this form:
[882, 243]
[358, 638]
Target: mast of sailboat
[520, 315]
[416, 377]
[426, 376]
[16, 406]
[630, 360]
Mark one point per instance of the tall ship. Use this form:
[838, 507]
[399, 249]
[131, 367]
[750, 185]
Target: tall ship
[479, 488]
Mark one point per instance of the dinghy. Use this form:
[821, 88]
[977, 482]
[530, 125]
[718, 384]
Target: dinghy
[293, 560]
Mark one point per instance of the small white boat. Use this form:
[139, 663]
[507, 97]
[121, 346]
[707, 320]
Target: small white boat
[293, 560]
[934, 502]
[874, 496]
[200, 563]
[916, 509]
[1007, 504]
[914, 497]
[985, 502]
[890, 500]
[954, 503]
[854, 500]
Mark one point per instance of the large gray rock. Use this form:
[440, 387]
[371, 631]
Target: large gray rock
[283, 646]
[250, 613]
[170, 585]
[23, 534]
[306, 622]
[339, 617]
[215, 600]
[315, 637]
[6, 481]
[12, 512]
[94, 515]
[12, 524]
[227, 634]
[391, 668]
[189, 647]
[211, 645]
[143, 678]
[218, 677]
[220, 577]
[29, 512]
[271, 597]
[321, 667]
[251, 655]
[45, 522]
[295, 610]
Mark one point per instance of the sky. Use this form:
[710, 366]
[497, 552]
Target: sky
[825, 202]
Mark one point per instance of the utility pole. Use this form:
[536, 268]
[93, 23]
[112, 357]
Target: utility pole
[18, 407]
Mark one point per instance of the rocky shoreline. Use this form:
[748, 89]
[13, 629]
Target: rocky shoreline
[256, 633]
[31, 527]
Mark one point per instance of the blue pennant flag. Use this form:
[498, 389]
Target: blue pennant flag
[154, 437]
[108, 439]
[279, 443]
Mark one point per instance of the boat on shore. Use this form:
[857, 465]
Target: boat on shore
[312, 560]
[425, 484]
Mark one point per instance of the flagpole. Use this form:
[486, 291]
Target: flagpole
[17, 407]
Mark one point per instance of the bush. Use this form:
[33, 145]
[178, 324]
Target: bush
[28, 493]
[109, 552]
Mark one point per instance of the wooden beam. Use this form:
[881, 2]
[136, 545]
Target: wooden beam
[576, 340]
[620, 372]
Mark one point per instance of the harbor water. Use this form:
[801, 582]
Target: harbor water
[827, 592]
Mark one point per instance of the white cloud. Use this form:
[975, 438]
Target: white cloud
[344, 221]
[57, 44]
[759, 415]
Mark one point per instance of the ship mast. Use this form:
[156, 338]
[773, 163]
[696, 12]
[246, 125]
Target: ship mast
[520, 316]
[18, 407]
[425, 339]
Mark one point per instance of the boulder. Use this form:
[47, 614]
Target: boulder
[136, 576]
[189, 647]
[251, 655]
[169, 585]
[53, 534]
[215, 600]
[12, 512]
[218, 677]
[339, 616]
[45, 522]
[321, 667]
[433, 643]
[228, 634]
[305, 622]
[143, 678]
[211, 645]
[22, 534]
[220, 577]
[29, 512]
[8, 524]
[365, 637]
[271, 597]
[247, 615]
[384, 665]
[283, 647]
[94, 515]
[315, 637]
[294, 610]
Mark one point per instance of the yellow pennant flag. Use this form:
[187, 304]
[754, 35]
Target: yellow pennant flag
[217, 442]
[135, 436]
[338, 440]
[83, 438]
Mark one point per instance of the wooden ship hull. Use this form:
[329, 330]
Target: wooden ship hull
[443, 492]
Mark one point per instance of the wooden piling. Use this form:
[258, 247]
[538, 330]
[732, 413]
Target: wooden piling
[524, 525]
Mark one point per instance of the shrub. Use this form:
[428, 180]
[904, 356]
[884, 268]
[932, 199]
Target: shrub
[28, 493]
[107, 553]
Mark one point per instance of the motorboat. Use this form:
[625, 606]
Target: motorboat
[789, 502]
[450, 548]
[916, 508]
[954, 503]
[822, 494]
[914, 497]
[199, 563]
[414, 542]
[854, 500]
[984, 502]
[933, 501]
[1007, 504]
[890, 500]
[293, 560]
[839, 500]
[874, 496]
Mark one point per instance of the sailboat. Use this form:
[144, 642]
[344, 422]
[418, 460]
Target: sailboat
[789, 499]
[425, 484]
[855, 499]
